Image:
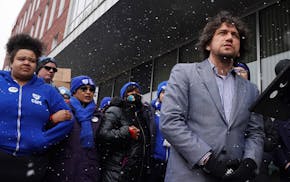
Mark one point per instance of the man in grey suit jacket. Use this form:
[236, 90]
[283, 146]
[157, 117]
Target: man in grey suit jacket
[205, 114]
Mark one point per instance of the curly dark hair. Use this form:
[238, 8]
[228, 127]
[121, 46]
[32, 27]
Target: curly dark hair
[214, 23]
[23, 41]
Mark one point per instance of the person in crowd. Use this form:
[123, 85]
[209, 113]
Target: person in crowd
[65, 92]
[212, 133]
[28, 104]
[268, 171]
[76, 158]
[46, 69]
[105, 103]
[282, 152]
[161, 148]
[126, 132]
[242, 69]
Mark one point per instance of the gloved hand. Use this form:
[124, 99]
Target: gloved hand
[214, 167]
[233, 164]
[83, 113]
[134, 132]
[244, 172]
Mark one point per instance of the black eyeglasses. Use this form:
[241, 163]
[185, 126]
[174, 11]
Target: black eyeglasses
[48, 68]
[240, 71]
[84, 89]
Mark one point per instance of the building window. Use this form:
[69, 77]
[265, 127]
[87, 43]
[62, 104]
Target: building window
[29, 15]
[18, 28]
[61, 7]
[252, 54]
[105, 89]
[37, 26]
[80, 10]
[33, 7]
[120, 81]
[77, 13]
[43, 21]
[142, 75]
[25, 20]
[189, 54]
[54, 42]
[274, 31]
[51, 16]
[37, 4]
[162, 67]
[32, 30]
[21, 25]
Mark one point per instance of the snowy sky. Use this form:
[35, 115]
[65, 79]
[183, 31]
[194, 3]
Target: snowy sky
[8, 14]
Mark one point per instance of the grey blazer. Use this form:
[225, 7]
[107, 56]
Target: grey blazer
[193, 121]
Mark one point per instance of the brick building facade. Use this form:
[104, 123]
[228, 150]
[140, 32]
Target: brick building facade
[43, 19]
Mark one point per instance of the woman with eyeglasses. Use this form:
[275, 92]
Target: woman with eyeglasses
[242, 70]
[76, 158]
[46, 68]
[27, 105]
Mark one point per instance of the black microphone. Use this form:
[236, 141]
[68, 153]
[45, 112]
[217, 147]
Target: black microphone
[282, 64]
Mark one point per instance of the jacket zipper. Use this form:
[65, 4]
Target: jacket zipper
[144, 145]
[18, 121]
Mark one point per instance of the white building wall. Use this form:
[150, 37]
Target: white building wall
[268, 67]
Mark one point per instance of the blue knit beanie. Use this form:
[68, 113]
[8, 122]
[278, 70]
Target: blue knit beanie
[104, 102]
[79, 81]
[245, 66]
[126, 86]
[161, 87]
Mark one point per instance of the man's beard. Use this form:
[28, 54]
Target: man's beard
[227, 59]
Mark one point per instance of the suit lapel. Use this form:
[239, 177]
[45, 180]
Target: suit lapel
[238, 98]
[207, 75]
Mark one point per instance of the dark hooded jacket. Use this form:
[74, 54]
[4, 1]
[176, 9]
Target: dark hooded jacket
[282, 152]
[123, 158]
[71, 162]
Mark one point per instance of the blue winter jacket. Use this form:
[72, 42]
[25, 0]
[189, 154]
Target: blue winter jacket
[24, 112]
[160, 152]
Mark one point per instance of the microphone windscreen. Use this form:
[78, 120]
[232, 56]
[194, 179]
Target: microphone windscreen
[281, 65]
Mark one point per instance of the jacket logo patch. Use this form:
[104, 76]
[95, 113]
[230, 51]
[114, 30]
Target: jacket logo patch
[35, 99]
[13, 89]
